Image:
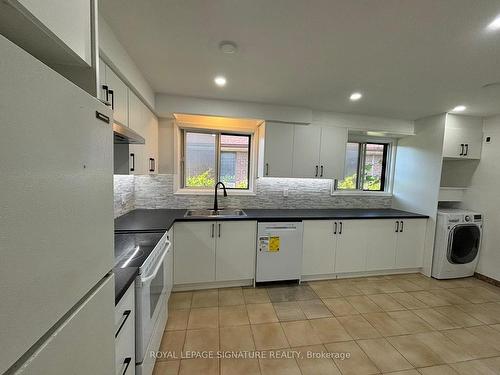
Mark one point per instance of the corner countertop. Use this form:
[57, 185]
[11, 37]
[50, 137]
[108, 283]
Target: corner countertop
[154, 220]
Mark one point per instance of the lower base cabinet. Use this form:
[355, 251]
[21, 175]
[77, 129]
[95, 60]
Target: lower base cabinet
[125, 333]
[410, 243]
[209, 251]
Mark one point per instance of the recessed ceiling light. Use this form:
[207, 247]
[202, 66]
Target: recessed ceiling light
[228, 47]
[220, 81]
[459, 108]
[495, 24]
[355, 96]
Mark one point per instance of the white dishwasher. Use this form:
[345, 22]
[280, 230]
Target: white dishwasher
[279, 251]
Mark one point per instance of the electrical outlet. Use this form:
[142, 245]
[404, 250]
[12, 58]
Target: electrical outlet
[285, 192]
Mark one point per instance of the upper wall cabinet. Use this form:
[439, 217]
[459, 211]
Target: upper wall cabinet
[114, 91]
[275, 149]
[463, 137]
[319, 152]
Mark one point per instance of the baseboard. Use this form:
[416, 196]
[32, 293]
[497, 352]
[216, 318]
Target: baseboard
[487, 279]
[360, 274]
[211, 285]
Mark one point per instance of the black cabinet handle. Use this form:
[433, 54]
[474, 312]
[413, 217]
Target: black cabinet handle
[402, 226]
[126, 362]
[340, 230]
[461, 149]
[335, 230]
[126, 314]
[152, 164]
[219, 229]
[106, 90]
[267, 169]
[213, 229]
[466, 149]
[132, 155]
[397, 226]
[112, 94]
[316, 172]
[321, 173]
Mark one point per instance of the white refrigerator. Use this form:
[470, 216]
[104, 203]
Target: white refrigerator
[56, 223]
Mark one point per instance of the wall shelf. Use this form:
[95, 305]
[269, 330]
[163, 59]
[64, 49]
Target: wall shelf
[451, 194]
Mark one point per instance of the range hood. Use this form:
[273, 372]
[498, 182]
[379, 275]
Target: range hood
[125, 135]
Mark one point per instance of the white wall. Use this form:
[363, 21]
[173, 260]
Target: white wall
[483, 196]
[115, 55]
[418, 175]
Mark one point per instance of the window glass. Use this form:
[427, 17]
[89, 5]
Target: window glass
[350, 182]
[234, 160]
[373, 166]
[200, 165]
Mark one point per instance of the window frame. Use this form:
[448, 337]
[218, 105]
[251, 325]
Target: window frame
[218, 133]
[387, 167]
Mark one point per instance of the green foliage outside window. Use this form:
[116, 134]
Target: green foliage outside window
[202, 180]
[370, 182]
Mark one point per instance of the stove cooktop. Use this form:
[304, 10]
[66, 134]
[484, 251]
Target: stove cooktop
[132, 249]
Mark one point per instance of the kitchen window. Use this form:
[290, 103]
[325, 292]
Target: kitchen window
[366, 167]
[211, 156]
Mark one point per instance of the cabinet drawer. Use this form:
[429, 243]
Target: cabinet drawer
[125, 334]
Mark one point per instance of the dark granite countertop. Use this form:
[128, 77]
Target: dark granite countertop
[124, 277]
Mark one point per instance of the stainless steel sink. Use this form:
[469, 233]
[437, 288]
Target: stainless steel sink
[228, 212]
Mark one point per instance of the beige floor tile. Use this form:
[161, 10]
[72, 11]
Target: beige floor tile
[269, 336]
[166, 368]
[180, 300]
[408, 301]
[205, 298]
[300, 333]
[206, 317]
[368, 287]
[493, 363]
[458, 316]
[172, 344]
[312, 361]
[435, 319]
[231, 297]
[410, 321]
[358, 327]
[386, 302]
[363, 304]
[329, 330]
[476, 295]
[237, 338]
[235, 366]
[473, 345]
[438, 370]
[325, 290]
[287, 311]
[385, 324]
[340, 306]
[253, 295]
[429, 299]
[487, 334]
[261, 313]
[448, 296]
[314, 308]
[233, 316]
[349, 290]
[205, 366]
[279, 366]
[415, 351]
[496, 326]
[387, 286]
[446, 349]
[383, 354]
[177, 320]
[199, 340]
[358, 362]
[406, 285]
[477, 367]
[404, 372]
[482, 312]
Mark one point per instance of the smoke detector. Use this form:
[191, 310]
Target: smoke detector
[228, 47]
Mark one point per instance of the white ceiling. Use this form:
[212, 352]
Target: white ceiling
[410, 58]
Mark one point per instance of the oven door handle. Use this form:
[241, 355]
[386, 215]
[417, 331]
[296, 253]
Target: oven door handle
[158, 265]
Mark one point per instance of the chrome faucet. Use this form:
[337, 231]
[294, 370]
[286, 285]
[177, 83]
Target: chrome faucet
[216, 205]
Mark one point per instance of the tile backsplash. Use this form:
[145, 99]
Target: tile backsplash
[158, 192]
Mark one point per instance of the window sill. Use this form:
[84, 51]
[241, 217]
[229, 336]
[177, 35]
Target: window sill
[211, 192]
[362, 193]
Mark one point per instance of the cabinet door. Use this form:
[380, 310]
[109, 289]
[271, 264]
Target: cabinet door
[410, 243]
[194, 257]
[235, 250]
[278, 150]
[151, 136]
[306, 143]
[102, 80]
[332, 152]
[350, 255]
[453, 140]
[381, 245]
[119, 98]
[473, 140]
[318, 249]
[138, 121]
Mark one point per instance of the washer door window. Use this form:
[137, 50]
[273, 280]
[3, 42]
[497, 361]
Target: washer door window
[463, 244]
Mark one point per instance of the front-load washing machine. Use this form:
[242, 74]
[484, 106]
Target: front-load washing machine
[457, 243]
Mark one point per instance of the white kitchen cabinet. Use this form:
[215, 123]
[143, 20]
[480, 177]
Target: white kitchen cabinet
[381, 244]
[235, 250]
[207, 251]
[319, 245]
[410, 243]
[306, 150]
[463, 137]
[118, 96]
[276, 140]
[125, 333]
[194, 256]
[351, 249]
[332, 152]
